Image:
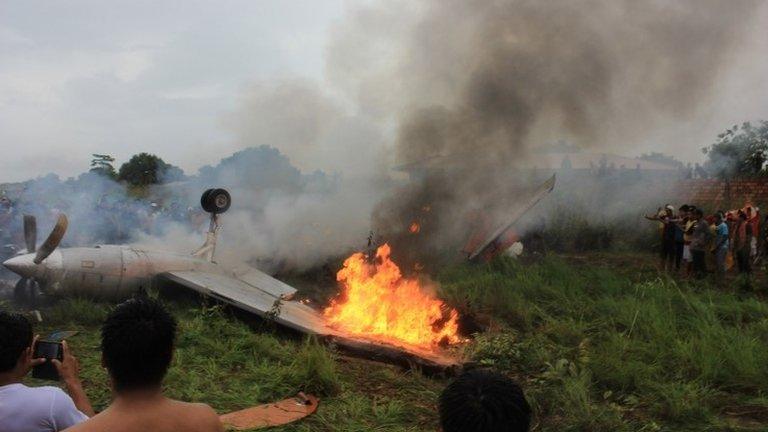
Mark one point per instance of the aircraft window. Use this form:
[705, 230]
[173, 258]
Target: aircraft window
[87, 264]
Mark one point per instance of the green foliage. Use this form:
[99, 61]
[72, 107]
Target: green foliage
[77, 312]
[315, 368]
[102, 164]
[741, 151]
[145, 169]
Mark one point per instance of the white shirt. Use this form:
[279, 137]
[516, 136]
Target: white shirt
[36, 409]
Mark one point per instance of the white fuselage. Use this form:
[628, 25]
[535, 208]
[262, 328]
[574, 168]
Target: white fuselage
[105, 271]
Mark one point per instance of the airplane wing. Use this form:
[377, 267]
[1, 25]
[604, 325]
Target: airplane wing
[303, 318]
[518, 212]
[265, 282]
[254, 299]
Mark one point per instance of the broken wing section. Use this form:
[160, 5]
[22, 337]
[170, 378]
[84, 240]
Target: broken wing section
[303, 318]
[515, 215]
[242, 295]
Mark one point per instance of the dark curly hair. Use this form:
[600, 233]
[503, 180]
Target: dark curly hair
[15, 337]
[484, 401]
[137, 341]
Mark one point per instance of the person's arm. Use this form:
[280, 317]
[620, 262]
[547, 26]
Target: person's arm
[68, 371]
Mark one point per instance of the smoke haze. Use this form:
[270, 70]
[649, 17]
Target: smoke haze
[457, 95]
[475, 87]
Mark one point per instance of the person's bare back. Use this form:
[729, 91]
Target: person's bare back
[137, 343]
[157, 414]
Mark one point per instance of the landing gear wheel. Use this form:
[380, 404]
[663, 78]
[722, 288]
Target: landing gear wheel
[205, 201]
[216, 201]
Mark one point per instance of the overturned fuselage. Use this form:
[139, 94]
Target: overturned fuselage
[119, 271]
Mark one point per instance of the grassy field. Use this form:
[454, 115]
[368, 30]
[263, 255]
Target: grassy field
[599, 343]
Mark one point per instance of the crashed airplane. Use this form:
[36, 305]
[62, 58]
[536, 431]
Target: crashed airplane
[120, 271]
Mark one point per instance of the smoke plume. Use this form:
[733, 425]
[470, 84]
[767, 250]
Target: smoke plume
[476, 87]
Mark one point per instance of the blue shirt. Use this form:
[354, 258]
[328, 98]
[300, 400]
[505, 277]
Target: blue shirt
[721, 235]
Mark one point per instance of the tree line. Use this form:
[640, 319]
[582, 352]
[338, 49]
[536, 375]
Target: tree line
[140, 170]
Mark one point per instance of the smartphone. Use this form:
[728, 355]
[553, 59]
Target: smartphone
[48, 350]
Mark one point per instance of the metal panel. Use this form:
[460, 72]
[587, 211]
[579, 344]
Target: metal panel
[265, 282]
[291, 314]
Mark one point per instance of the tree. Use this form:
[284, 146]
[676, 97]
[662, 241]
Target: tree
[102, 164]
[741, 151]
[662, 159]
[145, 169]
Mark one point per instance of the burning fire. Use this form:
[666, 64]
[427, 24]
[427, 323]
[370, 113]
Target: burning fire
[379, 303]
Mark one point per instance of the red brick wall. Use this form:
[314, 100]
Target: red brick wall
[718, 193]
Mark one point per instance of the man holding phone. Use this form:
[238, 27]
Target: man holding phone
[32, 409]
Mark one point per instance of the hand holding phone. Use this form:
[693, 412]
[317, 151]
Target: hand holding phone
[49, 351]
[68, 366]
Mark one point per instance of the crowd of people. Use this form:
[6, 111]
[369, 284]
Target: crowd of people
[693, 243]
[137, 345]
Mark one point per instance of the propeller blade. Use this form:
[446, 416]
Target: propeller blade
[53, 240]
[30, 232]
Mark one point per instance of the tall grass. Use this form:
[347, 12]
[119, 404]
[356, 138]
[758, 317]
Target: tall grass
[596, 349]
[599, 347]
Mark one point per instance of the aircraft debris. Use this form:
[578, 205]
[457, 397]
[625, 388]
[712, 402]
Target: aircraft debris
[273, 414]
[492, 244]
[120, 271]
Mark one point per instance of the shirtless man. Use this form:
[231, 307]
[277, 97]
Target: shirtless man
[137, 342]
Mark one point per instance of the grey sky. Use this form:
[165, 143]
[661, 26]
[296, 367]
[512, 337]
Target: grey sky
[120, 77]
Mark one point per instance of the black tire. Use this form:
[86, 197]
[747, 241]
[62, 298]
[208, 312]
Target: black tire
[216, 201]
[205, 201]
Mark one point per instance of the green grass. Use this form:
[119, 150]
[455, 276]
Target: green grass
[232, 363]
[599, 351]
[597, 347]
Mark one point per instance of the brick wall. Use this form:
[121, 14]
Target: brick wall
[722, 194]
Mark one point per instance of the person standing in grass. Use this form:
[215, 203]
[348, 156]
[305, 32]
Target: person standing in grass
[666, 218]
[688, 223]
[137, 344]
[721, 245]
[679, 226]
[699, 243]
[742, 241]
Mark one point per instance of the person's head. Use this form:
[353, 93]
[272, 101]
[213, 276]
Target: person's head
[483, 401]
[137, 341]
[718, 218]
[683, 210]
[669, 210]
[15, 344]
[698, 214]
[742, 216]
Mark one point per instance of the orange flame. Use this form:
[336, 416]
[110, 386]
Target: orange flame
[379, 303]
[414, 228]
